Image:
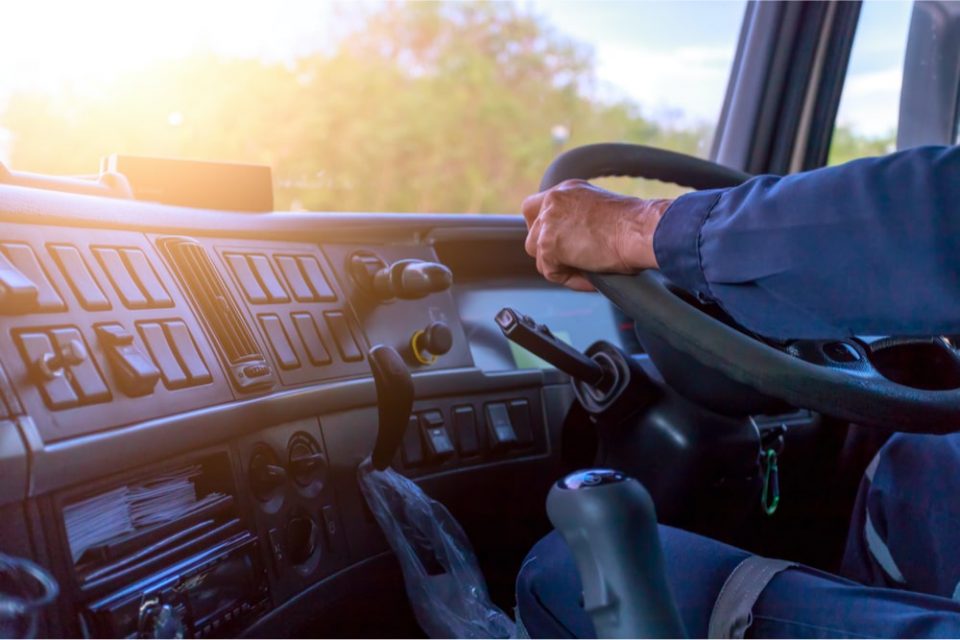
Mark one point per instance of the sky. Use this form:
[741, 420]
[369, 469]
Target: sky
[673, 58]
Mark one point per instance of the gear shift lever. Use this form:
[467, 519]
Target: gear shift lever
[609, 522]
[394, 402]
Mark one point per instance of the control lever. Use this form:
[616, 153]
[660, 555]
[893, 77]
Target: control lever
[411, 279]
[537, 339]
[394, 402]
[610, 524]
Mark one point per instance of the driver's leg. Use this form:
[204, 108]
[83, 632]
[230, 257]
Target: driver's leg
[905, 529]
[798, 602]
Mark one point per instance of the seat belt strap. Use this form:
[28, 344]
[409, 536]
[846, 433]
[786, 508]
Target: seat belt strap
[733, 610]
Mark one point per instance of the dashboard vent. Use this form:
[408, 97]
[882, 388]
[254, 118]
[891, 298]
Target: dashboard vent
[247, 365]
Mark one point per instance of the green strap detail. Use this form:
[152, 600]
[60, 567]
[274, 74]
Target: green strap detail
[770, 496]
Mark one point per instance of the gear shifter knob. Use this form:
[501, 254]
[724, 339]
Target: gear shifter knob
[609, 521]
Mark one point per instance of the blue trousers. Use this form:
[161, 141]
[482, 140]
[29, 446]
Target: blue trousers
[902, 564]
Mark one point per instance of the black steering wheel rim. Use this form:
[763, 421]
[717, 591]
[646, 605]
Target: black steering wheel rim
[856, 393]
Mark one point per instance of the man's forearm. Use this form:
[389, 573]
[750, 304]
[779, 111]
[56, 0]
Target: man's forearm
[870, 247]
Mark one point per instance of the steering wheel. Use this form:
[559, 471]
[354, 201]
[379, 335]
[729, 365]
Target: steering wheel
[836, 378]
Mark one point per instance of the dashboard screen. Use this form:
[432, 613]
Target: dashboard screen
[579, 319]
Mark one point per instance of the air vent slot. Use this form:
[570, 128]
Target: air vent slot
[208, 291]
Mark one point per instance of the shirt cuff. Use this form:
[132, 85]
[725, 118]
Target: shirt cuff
[676, 241]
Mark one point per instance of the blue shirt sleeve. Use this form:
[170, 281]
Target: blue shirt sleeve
[871, 247]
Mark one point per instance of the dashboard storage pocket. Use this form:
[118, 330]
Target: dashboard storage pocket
[443, 580]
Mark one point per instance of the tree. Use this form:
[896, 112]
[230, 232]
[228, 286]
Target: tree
[421, 107]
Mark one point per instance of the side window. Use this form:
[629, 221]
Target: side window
[866, 122]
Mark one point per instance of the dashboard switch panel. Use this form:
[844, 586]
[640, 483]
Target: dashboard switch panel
[279, 341]
[268, 278]
[252, 288]
[412, 443]
[306, 279]
[121, 279]
[38, 351]
[343, 336]
[257, 278]
[146, 278]
[315, 278]
[294, 277]
[135, 374]
[186, 350]
[500, 431]
[435, 435]
[78, 276]
[61, 367]
[17, 293]
[519, 412]
[465, 429]
[9, 403]
[310, 336]
[174, 377]
[81, 369]
[24, 282]
[175, 353]
[133, 277]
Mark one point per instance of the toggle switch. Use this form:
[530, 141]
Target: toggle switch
[135, 374]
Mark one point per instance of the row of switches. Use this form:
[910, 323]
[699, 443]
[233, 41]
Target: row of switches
[24, 285]
[26, 288]
[427, 439]
[302, 275]
[61, 366]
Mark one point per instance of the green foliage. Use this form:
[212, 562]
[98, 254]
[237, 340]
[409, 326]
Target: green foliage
[847, 145]
[422, 107]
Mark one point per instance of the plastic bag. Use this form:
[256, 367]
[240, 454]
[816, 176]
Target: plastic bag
[443, 580]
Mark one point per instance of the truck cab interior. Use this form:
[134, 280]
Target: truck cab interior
[191, 377]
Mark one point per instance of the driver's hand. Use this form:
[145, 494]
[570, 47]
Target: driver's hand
[576, 227]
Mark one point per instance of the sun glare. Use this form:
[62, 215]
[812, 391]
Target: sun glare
[45, 43]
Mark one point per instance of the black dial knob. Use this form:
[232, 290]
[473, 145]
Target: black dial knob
[266, 474]
[431, 342]
[308, 466]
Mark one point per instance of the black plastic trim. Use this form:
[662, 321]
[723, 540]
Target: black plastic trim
[69, 462]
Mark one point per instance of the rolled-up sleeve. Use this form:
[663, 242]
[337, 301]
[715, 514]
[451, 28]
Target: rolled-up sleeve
[869, 247]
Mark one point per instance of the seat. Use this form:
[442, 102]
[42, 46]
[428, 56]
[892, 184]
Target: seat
[800, 602]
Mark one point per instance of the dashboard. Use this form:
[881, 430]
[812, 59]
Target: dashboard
[185, 396]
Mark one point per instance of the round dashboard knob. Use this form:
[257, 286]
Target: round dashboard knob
[431, 342]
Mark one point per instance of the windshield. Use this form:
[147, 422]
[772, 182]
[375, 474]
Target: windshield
[408, 107]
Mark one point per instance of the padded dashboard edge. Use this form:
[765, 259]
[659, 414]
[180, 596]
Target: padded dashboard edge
[33, 206]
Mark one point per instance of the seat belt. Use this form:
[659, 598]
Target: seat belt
[733, 610]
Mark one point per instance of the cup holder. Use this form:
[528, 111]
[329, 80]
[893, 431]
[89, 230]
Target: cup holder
[303, 542]
[929, 364]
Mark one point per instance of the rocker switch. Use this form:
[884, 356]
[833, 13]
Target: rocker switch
[136, 375]
[436, 436]
[500, 431]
